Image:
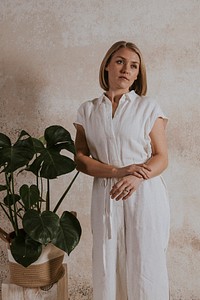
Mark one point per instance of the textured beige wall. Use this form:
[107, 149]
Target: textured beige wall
[50, 53]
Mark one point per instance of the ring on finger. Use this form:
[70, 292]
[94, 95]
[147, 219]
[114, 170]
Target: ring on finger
[126, 190]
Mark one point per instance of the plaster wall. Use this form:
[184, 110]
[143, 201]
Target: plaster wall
[50, 53]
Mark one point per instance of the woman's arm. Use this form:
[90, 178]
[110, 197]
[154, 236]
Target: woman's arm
[85, 163]
[159, 160]
[125, 187]
[95, 168]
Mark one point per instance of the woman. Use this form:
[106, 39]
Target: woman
[121, 142]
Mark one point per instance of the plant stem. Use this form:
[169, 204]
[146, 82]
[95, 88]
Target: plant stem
[65, 193]
[37, 184]
[41, 193]
[10, 215]
[4, 236]
[48, 196]
[6, 213]
[14, 205]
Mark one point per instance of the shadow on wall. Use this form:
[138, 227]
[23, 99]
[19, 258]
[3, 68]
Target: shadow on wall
[20, 87]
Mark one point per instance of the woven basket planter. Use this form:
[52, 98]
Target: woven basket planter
[47, 270]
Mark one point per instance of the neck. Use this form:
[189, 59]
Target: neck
[114, 96]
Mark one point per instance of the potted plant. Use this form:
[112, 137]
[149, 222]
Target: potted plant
[28, 207]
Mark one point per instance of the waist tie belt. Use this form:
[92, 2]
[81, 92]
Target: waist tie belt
[107, 212]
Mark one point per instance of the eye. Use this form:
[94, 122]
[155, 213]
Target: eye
[134, 66]
[120, 61]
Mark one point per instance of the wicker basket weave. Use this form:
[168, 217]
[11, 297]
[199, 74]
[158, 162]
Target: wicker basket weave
[47, 270]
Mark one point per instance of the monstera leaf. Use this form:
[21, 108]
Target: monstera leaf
[41, 227]
[24, 250]
[29, 195]
[47, 158]
[17, 155]
[51, 163]
[59, 138]
[10, 200]
[69, 233]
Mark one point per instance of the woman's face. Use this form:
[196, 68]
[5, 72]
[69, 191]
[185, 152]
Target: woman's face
[123, 69]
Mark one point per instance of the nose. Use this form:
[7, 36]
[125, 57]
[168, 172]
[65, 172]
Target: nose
[125, 69]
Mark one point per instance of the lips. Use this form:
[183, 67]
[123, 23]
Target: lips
[124, 77]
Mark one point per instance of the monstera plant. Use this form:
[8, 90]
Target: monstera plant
[28, 207]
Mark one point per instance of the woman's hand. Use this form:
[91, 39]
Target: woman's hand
[125, 187]
[138, 170]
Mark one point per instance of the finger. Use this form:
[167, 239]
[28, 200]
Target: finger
[121, 192]
[115, 193]
[141, 173]
[129, 194]
[144, 174]
[137, 174]
[121, 195]
[146, 167]
[118, 194]
[117, 189]
[117, 186]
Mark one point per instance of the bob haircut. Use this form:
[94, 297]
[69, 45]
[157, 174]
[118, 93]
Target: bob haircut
[140, 84]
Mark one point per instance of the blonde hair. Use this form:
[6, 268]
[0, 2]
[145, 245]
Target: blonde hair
[140, 84]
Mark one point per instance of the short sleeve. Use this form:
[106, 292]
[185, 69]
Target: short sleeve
[156, 112]
[80, 117]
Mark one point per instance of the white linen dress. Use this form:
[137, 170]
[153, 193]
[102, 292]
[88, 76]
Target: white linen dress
[129, 237]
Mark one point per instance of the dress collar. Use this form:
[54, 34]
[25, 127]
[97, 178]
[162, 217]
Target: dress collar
[130, 96]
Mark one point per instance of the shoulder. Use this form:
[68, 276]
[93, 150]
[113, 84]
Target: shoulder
[89, 104]
[147, 106]
[145, 102]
